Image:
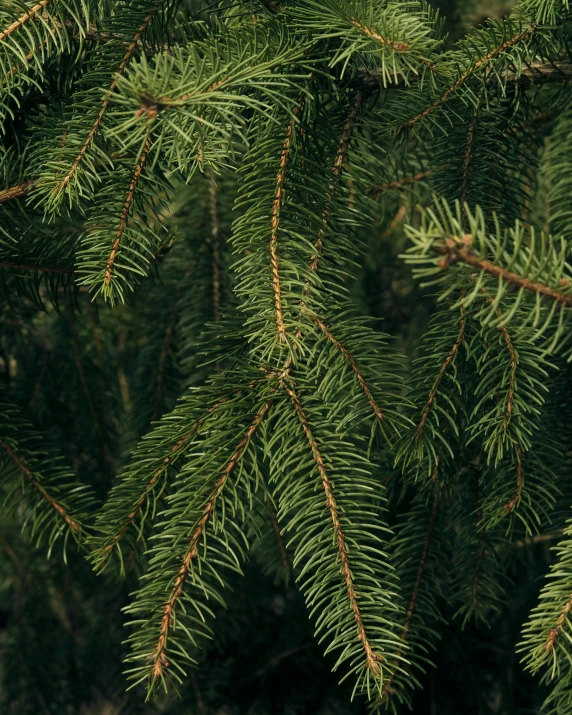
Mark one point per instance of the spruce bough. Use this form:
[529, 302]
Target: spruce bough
[197, 202]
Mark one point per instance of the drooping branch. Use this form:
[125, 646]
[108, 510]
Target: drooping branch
[61, 511]
[275, 228]
[341, 154]
[513, 503]
[457, 250]
[173, 452]
[159, 658]
[373, 659]
[554, 633]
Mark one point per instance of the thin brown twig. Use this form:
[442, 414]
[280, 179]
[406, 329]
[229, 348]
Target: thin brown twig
[28, 15]
[341, 154]
[397, 46]
[444, 367]
[466, 74]
[61, 511]
[554, 633]
[95, 127]
[275, 227]
[353, 364]
[372, 658]
[126, 209]
[456, 250]
[160, 662]
[386, 691]
[15, 192]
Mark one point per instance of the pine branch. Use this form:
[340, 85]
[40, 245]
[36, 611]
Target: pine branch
[159, 659]
[440, 375]
[61, 185]
[469, 72]
[373, 659]
[387, 690]
[341, 154]
[275, 225]
[126, 210]
[16, 192]
[28, 15]
[56, 506]
[458, 249]
[351, 360]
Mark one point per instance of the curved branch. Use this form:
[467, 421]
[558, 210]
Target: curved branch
[444, 367]
[125, 213]
[353, 364]
[386, 691]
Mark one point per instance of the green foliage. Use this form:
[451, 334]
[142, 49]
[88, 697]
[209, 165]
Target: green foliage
[204, 209]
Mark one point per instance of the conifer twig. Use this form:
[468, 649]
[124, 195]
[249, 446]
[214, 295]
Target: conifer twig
[126, 209]
[525, 34]
[457, 250]
[372, 34]
[353, 364]
[386, 691]
[28, 15]
[160, 662]
[15, 192]
[341, 154]
[95, 127]
[443, 369]
[275, 227]
[373, 659]
[72, 523]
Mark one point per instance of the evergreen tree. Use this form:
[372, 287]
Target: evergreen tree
[219, 466]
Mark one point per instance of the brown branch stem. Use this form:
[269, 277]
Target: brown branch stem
[28, 15]
[61, 511]
[125, 213]
[456, 250]
[386, 691]
[95, 127]
[372, 658]
[466, 74]
[160, 662]
[443, 369]
[353, 364]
